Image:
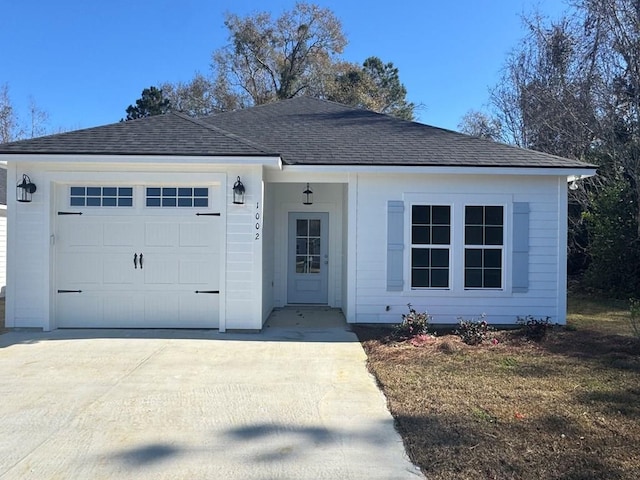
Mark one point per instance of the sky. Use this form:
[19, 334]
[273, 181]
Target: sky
[84, 61]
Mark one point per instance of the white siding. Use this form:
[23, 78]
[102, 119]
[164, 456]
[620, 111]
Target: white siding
[3, 248]
[27, 293]
[374, 304]
[254, 277]
[268, 247]
[30, 286]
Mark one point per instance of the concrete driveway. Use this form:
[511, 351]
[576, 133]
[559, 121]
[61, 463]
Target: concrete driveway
[290, 403]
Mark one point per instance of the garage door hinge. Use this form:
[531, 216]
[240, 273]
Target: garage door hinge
[208, 214]
[69, 213]
[207, 291]
[69, 291]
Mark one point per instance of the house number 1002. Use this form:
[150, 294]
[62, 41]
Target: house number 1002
[257, 223]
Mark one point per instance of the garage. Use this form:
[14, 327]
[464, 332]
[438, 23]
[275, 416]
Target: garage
[137, 256]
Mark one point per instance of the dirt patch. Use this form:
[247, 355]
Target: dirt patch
[567, 407]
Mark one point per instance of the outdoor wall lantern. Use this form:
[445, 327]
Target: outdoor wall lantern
[238, 192]
[25, 189]
[574, 184]
[308, 196]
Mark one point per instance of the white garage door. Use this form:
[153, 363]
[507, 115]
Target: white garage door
[138, 256]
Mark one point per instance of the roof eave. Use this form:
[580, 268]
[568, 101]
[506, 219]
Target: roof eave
[269, 160]
[561, 171]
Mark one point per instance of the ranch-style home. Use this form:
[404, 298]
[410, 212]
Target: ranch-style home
[178, 222]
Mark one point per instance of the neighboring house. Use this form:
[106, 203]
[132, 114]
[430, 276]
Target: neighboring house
[3, 228]
[134, 224]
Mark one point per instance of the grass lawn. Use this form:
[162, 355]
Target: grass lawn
[565, 408]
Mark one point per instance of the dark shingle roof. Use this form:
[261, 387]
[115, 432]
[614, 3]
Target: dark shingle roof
[171, 134]
[309, 131]
[303, 131]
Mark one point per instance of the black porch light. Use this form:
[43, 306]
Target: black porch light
[25, 189]
[238, 192]
[308, 196]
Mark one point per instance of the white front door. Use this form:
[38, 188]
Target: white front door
[308, 258]
[137, 264]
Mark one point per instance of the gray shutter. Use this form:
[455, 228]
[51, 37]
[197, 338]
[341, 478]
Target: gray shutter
[395, 245]
[520, 254]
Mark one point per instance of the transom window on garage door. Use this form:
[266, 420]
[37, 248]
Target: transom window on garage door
[177, 197]
[101, 196]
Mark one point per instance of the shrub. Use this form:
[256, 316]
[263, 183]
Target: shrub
[413, 323]
[535, 328]
[634, 316]
[473, 332]
[613, 235]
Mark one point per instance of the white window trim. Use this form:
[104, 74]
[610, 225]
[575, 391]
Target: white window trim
[457, 246]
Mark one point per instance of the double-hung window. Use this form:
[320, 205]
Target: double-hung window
[430, 246]
[483, 246]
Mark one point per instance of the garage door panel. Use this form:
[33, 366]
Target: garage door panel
[79, 309]
[79, 269]
[119, 310]
[199, 310]
[182, 310]
[197, 272]
[199, 234]
[160, 234]
[161, 309]
[80, 234]
[118, 269]
[119, 234]
[160, 271]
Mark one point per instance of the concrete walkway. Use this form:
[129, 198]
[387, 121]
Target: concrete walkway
[292, 402]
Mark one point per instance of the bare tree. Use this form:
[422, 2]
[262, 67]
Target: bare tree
[12, 127]
[481, 125]
[269, 59]
[195, 98]
[9, 123]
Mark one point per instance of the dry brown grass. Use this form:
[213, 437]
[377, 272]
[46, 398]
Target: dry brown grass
[565, 408]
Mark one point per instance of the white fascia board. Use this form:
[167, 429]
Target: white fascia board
[267, 161]
[582, 172]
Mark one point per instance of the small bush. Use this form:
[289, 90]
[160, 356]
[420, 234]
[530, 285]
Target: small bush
[413, 324]
[535, 328]
[634, 316]
[473, 332]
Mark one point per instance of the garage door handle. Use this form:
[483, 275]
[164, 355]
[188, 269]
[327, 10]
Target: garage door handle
[135, 260]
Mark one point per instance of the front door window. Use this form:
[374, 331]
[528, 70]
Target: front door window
[308, 246]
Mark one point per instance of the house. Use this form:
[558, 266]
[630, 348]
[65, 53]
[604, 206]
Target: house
[137, 224]
[3, 228]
